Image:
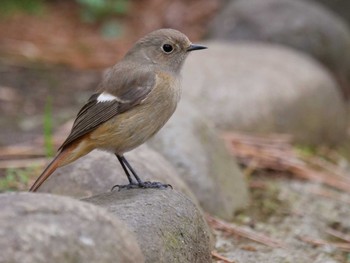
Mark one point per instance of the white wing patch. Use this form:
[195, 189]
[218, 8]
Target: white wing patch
[104, 97]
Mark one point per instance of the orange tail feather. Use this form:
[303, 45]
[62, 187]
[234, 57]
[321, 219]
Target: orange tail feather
[55, 163]
[64, 157]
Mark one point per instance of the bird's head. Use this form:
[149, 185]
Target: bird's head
[166, 48]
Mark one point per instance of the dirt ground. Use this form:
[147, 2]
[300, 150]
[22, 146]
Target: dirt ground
[41, 69]
[296, 213]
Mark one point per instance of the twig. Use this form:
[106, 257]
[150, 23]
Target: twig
[338, 234]
[220, 257]
[236, 230]
[321, 242]
[329, 194]
[22, 163]
[278, 154]
[20, 151]
[324, 178]
[329, 167]
[276, 139]
[255, 184]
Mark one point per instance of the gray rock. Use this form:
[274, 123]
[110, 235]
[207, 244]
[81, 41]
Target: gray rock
[303, 25]
[37, 228]
[193, 146]
[168, 226]
[264, 88]
[99, 171]
[340, 7]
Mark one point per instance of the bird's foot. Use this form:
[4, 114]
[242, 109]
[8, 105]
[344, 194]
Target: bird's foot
[147, 184]
[157, 185]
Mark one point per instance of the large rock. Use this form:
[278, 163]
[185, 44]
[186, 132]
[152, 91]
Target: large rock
[303, 25]
[340, 7]
[99, 171]
[37, 228]
[193, 146]
[265, 88]
[168, 226]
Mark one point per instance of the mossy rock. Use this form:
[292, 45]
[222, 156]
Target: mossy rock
[168, 226]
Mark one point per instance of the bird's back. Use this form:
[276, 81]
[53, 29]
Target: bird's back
[135, 126]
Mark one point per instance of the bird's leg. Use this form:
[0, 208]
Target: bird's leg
[121, 160]
[131, 182]
[140, 184]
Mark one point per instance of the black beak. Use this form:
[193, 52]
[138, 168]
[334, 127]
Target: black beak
[195, 47]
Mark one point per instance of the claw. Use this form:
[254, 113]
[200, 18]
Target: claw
[156, 185]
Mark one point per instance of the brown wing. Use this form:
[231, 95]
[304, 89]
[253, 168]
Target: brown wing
[94, 113]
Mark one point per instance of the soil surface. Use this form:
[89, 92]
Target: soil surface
[296, 213]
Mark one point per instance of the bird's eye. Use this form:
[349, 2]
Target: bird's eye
[167, 48]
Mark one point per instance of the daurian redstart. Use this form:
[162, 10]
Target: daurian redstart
[134, 100]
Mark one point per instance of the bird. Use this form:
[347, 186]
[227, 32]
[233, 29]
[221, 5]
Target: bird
[134, 100]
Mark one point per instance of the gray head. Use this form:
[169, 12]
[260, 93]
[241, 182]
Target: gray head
[166, 48]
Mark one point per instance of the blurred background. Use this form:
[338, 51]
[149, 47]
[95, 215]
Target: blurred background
[57, 49]
[275, 68]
